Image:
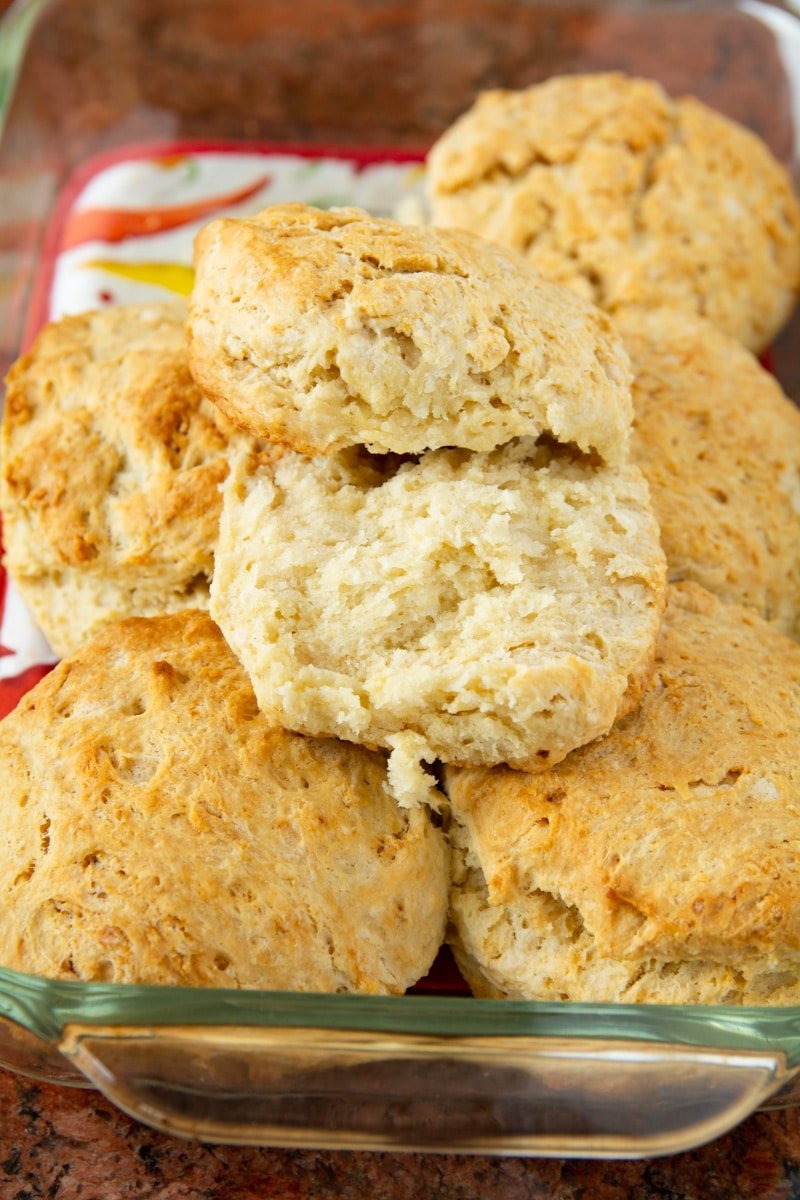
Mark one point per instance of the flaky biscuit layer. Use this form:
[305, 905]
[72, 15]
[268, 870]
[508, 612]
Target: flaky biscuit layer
[324, 330]
[476, 608]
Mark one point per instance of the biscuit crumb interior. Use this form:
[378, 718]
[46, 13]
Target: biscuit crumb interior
[497, 607]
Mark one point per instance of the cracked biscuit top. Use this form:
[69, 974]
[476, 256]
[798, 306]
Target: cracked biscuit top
[158, 829]
[659, 863]
[607, 185]
[324, 330]
[112, 462]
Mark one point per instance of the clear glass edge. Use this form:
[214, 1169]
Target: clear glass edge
[45, 1007]
[702, 1092]
[16, 26]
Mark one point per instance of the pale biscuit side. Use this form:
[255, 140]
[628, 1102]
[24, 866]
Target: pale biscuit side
[538, 948]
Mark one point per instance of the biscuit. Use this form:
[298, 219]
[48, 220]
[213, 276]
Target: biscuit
[112, 461]
[157, 829]
[719, 444]
[475, 608]
[323, 330]
[607, 185]
[660, 863]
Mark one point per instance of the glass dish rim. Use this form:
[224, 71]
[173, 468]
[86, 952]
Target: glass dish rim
[45, 1006]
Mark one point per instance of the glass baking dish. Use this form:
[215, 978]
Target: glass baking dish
[367, 81]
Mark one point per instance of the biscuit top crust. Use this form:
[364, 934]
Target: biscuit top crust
[677, 834]
[110, 450]
[719, 444]
[158, 829]
[629, 197]
[326, 329]
[112, 463]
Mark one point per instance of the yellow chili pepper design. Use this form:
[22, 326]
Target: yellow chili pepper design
[173, 277]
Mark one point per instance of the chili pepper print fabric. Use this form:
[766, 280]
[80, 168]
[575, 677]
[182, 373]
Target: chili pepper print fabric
[128, 236]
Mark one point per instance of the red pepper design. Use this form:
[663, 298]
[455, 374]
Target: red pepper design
[116, 224]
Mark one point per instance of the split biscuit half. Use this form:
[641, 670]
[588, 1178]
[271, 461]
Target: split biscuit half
[660, 863]
[607, 185]
[158, 829]
[475, 608]
[327, 329]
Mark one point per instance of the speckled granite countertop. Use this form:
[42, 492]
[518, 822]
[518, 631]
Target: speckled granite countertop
[74, 1145]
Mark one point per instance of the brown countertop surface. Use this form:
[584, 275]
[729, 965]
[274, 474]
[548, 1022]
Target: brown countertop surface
[66, 1144]
[399, 72]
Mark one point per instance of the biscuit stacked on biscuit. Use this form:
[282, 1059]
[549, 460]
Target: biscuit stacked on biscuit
[436, 540]
[157, 828]
[496, 597]
[328, 329]
[629, 197]
[659, 863]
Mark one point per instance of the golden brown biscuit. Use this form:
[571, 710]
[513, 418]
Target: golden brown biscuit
[719, 444]
[324, 330]
[607, 185]
[157, 829]
[660, 863]
[112, 462]
[475, 608]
